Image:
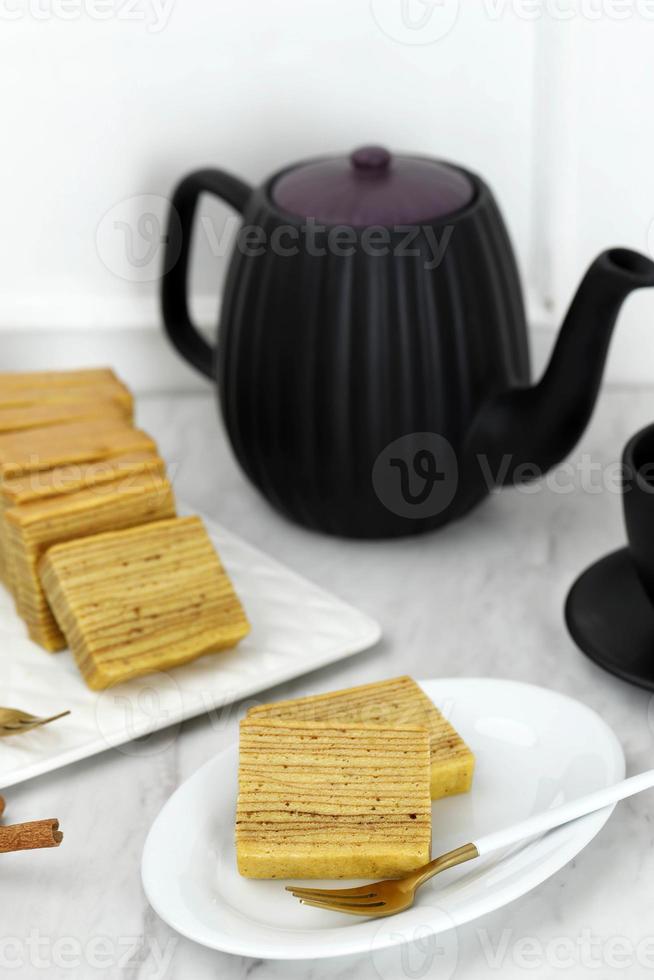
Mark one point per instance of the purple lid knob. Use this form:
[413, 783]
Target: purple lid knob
[372, 159]
[373, 187]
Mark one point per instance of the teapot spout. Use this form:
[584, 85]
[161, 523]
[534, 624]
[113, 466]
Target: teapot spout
[521, 434]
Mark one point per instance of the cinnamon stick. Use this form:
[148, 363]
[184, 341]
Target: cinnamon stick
[30, 836]
[2, 805]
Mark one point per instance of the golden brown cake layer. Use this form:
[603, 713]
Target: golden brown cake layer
[398, 701]
[116, 394]
[17, 418]
[323, 801]
[34, 526]
[73, 442]
[51, 387]
[67, 479]
[12, 381]
[142, 600]
[78, 476]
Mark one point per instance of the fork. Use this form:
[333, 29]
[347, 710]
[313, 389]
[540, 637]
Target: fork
[397, 894]
[14, 722]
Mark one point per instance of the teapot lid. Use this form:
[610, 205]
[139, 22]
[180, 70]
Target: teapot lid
[373, 187]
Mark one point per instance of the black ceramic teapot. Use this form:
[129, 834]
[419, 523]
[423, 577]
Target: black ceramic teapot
[372, 359]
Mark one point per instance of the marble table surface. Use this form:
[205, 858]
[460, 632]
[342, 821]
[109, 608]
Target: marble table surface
[480, 598]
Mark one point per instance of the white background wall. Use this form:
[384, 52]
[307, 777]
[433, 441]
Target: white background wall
[106, 103]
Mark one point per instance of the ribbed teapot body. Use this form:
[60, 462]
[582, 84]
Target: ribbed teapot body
[351, 362]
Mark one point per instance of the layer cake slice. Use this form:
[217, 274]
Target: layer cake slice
[323, 801]
[73, 442]
[398, 701]
[41, 484]
[34, 526]
[145, 599]
[20, 386]
[78, 476]
[17, 418]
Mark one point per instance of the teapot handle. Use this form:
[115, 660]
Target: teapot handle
[174, 301]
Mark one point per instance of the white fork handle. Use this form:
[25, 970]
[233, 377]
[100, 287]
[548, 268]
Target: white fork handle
[563, 814]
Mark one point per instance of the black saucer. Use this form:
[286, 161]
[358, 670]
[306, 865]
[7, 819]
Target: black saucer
[611, 619]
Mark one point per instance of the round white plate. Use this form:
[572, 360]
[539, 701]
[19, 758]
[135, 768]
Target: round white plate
[534, 748]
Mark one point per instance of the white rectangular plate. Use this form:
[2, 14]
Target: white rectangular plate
[296, 627]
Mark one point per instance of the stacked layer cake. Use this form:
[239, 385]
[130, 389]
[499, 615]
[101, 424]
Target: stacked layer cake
[148, 598]
[327, 801]
[399, 701]
[73, 472]
[340, 785]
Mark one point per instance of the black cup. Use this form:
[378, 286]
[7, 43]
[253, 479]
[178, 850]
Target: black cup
[638, 504]
[610, 608]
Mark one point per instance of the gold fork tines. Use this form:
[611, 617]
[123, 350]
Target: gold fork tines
[15, 722]
[382, 897]
[388, 897]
